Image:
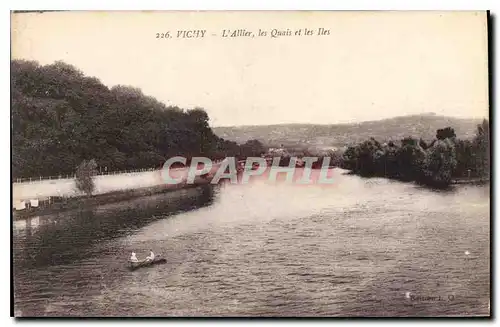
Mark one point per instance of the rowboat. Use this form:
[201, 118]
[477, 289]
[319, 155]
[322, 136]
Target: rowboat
[146, 263]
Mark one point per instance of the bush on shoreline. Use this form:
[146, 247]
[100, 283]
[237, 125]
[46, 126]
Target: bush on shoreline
[435, 164]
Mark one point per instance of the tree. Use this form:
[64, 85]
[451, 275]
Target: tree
[61, 117]
[410, 160]
[253, 148]
[481, 144]
[85, 176]
[445, 133]
[440, 163]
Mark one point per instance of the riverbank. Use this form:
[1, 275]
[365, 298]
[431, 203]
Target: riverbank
[470, 181]
[57, 204]
[454, 181]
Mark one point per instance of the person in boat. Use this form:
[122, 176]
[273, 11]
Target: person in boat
[133, 258]
[151, 256]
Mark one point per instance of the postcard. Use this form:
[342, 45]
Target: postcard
[250, 164]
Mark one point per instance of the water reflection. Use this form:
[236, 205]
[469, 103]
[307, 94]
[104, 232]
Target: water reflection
[352, 248]
[66, 237]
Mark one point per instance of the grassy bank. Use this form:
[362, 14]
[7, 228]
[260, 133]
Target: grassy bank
[470, 181]
[56, 204]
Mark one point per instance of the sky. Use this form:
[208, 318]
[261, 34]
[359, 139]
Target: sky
[370, 65]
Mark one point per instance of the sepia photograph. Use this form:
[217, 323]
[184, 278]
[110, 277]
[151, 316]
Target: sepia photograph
[250, 164]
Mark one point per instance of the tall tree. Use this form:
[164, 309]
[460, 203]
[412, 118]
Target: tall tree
[60, 117]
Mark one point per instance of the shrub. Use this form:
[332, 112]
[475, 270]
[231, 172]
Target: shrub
[85, 176]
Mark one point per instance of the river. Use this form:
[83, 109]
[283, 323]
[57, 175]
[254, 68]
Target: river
[358, 247]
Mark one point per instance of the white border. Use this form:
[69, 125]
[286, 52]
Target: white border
[253, 5]
[492, 5]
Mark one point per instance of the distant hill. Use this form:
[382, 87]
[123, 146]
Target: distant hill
[324, 136]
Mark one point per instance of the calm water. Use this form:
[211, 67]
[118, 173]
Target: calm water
[355, 248]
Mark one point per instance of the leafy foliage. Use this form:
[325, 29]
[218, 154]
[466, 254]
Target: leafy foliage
[60, 117]
[84, 178]
[433, 164]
